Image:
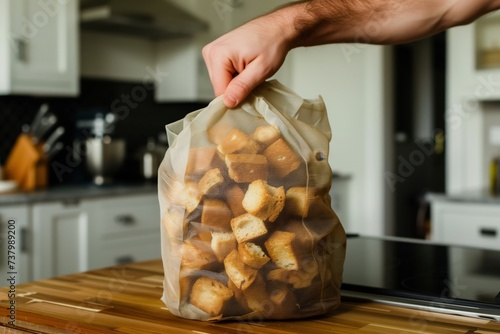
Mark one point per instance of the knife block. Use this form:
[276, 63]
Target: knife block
[27, 164]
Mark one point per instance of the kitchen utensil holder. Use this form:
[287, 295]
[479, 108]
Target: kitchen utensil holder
[27, 164]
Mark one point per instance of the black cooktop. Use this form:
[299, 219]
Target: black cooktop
[420, 274]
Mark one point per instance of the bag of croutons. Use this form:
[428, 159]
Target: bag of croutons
[247, 226]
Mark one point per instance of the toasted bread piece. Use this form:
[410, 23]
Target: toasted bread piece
[234, 196]
[247, 227]
[222, 244]
[252, 255]
[211, 182]
[191, 197]
[280, 248]
[281, 158]
[237, 141]
[199, 160]
[256, 296]
[305, 202]
[238, 272]
[216, 213]
[245, 168]
[283, 298]
[297, 278]
[209, 295]
[198, 255]
[263, 200]
[265, 135]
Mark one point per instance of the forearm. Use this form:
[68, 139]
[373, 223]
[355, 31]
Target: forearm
[378, 21]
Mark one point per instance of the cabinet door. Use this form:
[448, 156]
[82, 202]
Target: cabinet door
[467, 224]
[60, 239]
[14, 250]
[44, 45]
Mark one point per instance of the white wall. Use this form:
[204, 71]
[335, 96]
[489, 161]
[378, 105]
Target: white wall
[113, 56]
[354, 91]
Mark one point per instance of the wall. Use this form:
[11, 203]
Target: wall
[354, 88]
[139, 119]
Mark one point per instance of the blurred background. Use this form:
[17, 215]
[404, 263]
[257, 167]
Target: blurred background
[416, 127]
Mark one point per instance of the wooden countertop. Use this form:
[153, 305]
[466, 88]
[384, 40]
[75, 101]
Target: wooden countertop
[126, 299]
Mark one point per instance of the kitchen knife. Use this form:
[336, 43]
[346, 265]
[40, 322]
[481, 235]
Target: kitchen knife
[53, 138]
[54, 150]
[38, 117]
[46, 124]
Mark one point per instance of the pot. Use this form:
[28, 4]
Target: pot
[105, 156]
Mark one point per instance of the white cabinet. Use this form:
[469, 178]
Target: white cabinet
[124, 229]
[466, 224]
[14, 244]
[60, 238]
[76, 236]
[39, 47]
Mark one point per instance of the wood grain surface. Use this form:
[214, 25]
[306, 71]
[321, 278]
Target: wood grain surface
[126, 299]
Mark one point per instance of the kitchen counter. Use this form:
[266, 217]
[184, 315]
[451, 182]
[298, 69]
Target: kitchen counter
[472, 196]
[126, 299]
[76, 192]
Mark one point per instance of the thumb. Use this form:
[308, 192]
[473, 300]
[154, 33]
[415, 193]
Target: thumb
[241, 85]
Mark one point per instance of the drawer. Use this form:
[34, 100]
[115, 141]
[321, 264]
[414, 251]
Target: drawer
[470, 230]
[114, 252]
[128, 216]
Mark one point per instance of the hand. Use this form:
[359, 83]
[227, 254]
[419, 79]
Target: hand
[243, 58]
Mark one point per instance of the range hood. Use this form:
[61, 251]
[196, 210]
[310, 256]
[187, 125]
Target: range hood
[153, 19]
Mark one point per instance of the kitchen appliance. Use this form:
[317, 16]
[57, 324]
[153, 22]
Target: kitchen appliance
[104, 154]
[153, 19]
[422, 275]
[104, 157]
[149, 160]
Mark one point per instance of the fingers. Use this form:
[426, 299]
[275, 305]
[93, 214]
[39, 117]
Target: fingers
[239, 87]
[219, 71]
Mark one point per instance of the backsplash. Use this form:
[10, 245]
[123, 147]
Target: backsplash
[139, 120]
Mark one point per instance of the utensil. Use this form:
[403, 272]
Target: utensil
[54, 149]
[44, 108]
[46, 124]
[58, 132]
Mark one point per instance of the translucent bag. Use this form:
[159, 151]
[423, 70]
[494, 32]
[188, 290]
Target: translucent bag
[247, 227]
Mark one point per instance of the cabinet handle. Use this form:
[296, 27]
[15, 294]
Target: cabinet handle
[488, 232]
[22, 55]
[124, 259]
[22, 240]
[126, 220]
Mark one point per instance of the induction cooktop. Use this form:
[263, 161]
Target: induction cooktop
[423, 275]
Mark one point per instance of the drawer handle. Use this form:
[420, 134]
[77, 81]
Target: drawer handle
[488, 232]
[124, 259]
[126, 220]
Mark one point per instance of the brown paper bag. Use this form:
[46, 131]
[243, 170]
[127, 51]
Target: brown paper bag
[247, 230]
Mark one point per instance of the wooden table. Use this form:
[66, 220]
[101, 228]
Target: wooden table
[126, 299]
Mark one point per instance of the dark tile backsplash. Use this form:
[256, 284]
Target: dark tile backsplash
[143, 119]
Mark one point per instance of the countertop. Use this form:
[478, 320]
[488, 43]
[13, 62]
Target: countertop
[471, 196]
[126, 299]
[76, 192]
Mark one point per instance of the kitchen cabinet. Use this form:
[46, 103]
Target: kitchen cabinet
[472, 90]
[14, 245]
[60, 238]
[124, 229]
[188, 78]
[466, 224]
[39, 52]
[79, 235]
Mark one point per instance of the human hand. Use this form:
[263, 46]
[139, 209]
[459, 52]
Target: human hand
[245, 57]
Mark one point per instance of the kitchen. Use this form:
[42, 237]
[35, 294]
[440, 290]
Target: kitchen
[104, 71]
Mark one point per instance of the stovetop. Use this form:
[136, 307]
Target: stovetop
[421, 274]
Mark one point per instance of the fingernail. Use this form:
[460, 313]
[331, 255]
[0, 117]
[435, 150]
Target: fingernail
[230, 101]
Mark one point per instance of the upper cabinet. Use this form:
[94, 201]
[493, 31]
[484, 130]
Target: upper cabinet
[39, 47]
